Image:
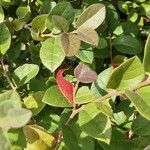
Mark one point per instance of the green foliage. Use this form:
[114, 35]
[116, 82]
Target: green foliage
[74, 75]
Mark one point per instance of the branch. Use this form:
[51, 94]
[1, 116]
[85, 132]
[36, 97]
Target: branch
[6, 75]
[119, 93]
[109, 95]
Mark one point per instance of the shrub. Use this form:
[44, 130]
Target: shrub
[75, 75]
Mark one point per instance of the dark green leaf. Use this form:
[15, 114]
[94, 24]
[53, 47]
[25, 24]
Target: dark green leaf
[127, 44]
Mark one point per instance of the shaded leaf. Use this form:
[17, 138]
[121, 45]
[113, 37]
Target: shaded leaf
[25, 73]
[85, 74]
[94, 123]
[60, 23]
[141, 126]
[65, 10]
[54, 97]
[94, 13]
[51, 53]
[17, 137]
[126, 75]
[88, 35]
[70, 43]
[75, 139]
[127, 44]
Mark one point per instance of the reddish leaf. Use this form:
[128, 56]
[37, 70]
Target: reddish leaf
[65, 86]
[84, 74]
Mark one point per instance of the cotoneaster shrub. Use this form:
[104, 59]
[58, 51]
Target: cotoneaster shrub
[75, 75]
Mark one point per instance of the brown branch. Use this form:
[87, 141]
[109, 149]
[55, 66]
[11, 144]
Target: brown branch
[6, 75]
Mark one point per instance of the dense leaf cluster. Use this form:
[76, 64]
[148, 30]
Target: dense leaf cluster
[75, 75]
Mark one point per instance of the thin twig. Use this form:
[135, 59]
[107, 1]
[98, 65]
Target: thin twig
[110, 47]
[6, 75]
[74, 112]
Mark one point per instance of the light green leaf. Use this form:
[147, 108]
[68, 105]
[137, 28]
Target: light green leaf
[70, 43]
[39, 23]
[94, 13]
[146, 61]
[127, 44]
[11, 96]
[4, 142]
[141, 103]
[86, 55]
[1, 14]
[23, 12]
[34, 102]
[54, 97]
[25, 73]
[51, 53]
[5, 38]
[99, 86]
[60, 23]
[84, 95]
[94, 123]
[88, 35]
[126, 75]
[18, 117]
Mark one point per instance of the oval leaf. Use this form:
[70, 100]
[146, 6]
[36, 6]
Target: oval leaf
[70, 43]
[88, 35]
[54, 97]
[126, 75]
[84, 74]
[60, 23]
[25, 73]
[141, 103]
[18, 117]
[51, 53]
[127, 44]
[84, 95]
[5, 38]
[39, 23]
[65, 86]
[94, 123]
[92, 17]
